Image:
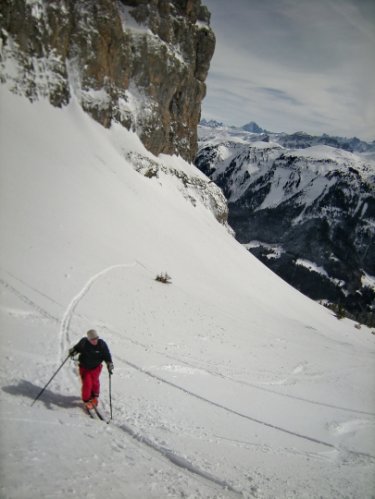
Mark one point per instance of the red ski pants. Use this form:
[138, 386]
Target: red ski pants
[90, 382]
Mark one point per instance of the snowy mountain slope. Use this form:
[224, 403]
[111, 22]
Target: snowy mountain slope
[316, 204]
[228, 382]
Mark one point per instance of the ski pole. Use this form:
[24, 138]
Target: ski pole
[42, 390]
[110, 394]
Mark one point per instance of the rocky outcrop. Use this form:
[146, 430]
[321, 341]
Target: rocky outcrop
[194, 187]
[141, 63]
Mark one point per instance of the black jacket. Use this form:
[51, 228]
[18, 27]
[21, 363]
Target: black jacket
[92, 355]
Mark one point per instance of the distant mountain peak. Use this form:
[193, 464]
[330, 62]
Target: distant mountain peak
[252, 127]
[211, 123]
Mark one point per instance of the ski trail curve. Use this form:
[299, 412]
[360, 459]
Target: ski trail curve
[68, 315]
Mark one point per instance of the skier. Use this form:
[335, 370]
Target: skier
[93, 351]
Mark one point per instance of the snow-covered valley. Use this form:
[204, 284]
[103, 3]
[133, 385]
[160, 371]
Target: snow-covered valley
[313, 203]
[227, 382]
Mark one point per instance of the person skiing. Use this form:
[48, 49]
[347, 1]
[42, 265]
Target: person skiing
[92, 352]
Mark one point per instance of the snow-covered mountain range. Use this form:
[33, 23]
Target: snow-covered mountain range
[308, 213]
[228, 383]
[298, 140]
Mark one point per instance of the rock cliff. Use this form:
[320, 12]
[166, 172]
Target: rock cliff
[140, 63]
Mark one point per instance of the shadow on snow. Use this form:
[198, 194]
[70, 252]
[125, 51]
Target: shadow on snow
[49, 398]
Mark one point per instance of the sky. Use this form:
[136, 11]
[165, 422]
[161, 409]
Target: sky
[293, 65]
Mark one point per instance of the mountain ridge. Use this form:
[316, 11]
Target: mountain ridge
[299, 139]
[315, 204]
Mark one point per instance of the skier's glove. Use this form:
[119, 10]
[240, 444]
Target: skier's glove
[110, 367]
[72, 352]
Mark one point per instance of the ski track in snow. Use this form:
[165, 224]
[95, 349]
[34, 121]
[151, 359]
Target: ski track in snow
[250, 418]
[32, 288]
[178, 460]
[241, 382]
[28, 302]
[227, 409]
[68, 315]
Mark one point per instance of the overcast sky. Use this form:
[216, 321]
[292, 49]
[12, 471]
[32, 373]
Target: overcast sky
[294, 65]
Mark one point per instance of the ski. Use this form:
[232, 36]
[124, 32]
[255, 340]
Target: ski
[95, 413]
[100, 415]
[90, 412]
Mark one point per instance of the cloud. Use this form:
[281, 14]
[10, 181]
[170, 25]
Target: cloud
[279, 95]
[309, 65]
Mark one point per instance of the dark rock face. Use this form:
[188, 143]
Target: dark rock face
[141, 63]
[308, 214]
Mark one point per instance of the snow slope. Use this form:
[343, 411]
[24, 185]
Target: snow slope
[228, 382]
